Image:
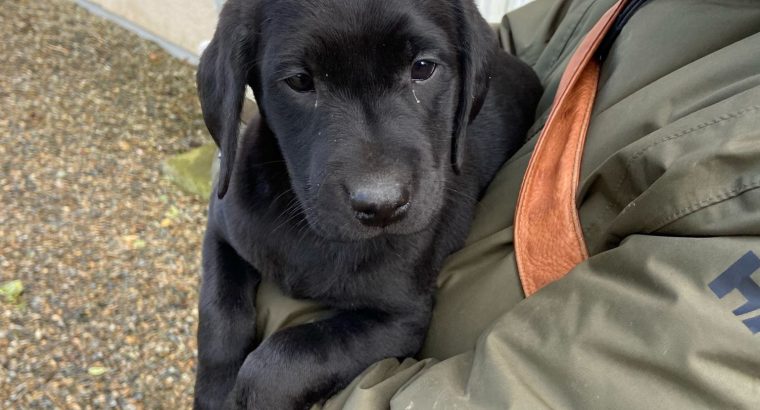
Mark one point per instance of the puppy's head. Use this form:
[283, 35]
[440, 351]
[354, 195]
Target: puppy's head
[369, 101]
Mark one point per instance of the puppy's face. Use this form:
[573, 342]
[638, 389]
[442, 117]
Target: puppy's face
[363, 97]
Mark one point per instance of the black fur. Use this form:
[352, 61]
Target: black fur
[283, 204]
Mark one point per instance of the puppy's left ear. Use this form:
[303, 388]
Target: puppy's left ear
[223, 72]
[476, 46]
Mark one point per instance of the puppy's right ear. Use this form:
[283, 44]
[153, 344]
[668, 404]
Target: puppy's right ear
[222, 76]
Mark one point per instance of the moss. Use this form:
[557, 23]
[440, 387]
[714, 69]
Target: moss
[191, 170]
[11, 291]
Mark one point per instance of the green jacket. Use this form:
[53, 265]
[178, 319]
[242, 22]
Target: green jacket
[668, 203]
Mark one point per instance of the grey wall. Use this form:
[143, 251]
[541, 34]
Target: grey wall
[180, 26]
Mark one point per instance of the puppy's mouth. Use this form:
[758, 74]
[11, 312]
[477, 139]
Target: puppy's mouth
[342, 218]
[352, 231]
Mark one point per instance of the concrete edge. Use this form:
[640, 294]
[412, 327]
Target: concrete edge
[170, 47]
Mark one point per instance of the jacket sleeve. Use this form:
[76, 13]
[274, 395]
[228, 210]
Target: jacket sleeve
[657, 322]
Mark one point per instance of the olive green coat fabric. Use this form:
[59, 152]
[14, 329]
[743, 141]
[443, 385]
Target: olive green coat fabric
[669, 200]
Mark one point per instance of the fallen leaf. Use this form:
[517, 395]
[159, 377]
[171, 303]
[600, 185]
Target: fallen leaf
[129, 238]
[173, 212]
[12, 291]
[97, 371]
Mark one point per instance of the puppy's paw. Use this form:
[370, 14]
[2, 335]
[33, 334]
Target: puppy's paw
[241, 398]
[259, 387]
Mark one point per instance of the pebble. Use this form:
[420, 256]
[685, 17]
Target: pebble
[89, 111]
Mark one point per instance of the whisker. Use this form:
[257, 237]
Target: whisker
[288, 209]
[283, 193]
[293, 210]
[461, 193]
[303, 230]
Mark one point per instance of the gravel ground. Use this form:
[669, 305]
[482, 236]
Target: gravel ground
[107, 249]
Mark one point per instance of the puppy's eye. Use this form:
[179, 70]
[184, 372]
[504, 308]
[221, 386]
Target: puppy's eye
[301, 83]
[422, 70]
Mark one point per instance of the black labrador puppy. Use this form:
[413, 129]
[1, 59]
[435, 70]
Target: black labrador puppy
[381, 122]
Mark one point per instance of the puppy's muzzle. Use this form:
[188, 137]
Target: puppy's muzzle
[379, 202]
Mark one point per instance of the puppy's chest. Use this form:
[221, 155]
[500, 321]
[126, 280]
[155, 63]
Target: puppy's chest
[342, 275]
[310, 272]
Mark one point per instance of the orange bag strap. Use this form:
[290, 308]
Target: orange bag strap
[548, 237]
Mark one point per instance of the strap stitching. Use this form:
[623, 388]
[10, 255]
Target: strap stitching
[567, 85]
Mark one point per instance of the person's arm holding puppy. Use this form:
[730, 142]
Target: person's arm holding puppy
[661, 315]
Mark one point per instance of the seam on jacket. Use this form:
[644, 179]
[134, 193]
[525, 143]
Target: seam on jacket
[674, 72]
[566, 37]
[682, 133]
[552, 66]
[704, 203]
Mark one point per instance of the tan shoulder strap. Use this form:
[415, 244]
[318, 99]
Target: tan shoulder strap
[548, 237]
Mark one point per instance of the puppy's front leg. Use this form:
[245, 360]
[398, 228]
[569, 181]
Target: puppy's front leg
[298, 366]
[227, 322]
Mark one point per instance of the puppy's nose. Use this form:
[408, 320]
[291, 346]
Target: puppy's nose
[380, 204]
